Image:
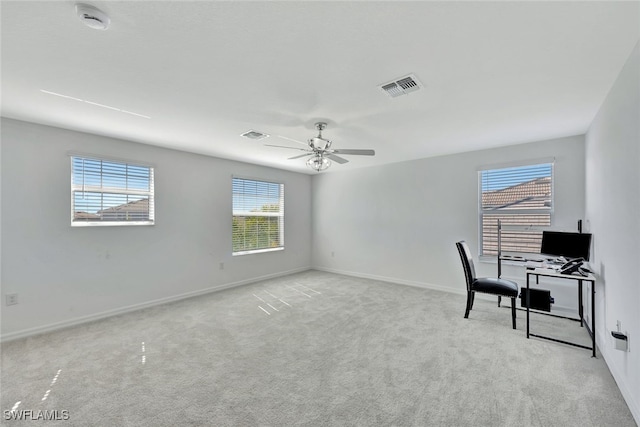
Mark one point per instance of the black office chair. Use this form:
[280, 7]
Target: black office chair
[486, 285]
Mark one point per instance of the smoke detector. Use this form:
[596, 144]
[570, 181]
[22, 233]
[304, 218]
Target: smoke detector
[401, 86]
[92, 17]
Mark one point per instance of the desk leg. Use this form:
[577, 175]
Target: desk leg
[580, 308]
[528, 302]
[593, 318]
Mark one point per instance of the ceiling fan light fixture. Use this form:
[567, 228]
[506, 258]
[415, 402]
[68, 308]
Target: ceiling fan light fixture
[319, 148]
[319, 163]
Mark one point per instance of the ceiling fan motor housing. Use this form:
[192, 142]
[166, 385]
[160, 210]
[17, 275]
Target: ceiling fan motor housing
[318, 143]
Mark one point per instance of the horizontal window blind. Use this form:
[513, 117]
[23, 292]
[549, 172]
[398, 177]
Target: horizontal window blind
[258, 215]
[108, 192]
[522, 199]
[517, 188]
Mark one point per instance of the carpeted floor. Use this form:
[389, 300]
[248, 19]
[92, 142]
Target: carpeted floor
[312, 349]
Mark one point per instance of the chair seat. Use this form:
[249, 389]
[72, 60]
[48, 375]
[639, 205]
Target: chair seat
[495, 286]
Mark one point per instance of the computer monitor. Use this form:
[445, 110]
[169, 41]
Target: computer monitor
[568, 245]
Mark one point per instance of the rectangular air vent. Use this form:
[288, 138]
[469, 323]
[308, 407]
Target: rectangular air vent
[254, 134]
[401, 86]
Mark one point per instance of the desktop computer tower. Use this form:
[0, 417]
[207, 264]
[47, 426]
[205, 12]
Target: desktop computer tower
[540, 299]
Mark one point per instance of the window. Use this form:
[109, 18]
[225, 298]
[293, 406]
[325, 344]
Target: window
[258, 216]
[521, 198]
[105, 192]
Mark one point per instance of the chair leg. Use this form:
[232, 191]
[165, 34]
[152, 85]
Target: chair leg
[513, 312]
[499, 300]
[469, 304]
[473, 299]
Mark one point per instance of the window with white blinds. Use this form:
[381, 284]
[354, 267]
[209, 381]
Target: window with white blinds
[521, 198]
[258, 216]
[105, 192]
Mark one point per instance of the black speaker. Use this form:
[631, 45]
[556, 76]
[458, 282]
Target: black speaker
[540, 299]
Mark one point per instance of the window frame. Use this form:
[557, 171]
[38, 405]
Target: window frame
[149, 194]
[280, 214]
[515, 229]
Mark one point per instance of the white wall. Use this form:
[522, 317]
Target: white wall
[400, 222]
[613, 211]
[64, 274]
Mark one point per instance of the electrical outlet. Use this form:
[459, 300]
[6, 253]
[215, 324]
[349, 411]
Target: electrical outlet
[333, 254]
[11, 299]
[222, 266]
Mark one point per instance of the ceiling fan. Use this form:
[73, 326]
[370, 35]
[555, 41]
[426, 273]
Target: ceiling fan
[321, 151]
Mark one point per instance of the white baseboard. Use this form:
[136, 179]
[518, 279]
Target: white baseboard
[605, 350]
[557, 309]
[423, 285]
[122, 310]
[607, 354]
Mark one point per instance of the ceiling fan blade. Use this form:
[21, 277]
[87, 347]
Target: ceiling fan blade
[337, 159]
[282, 146]
[293, 140]
[355, 152]
[301, 155]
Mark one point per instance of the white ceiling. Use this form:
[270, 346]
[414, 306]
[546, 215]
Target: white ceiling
[494, 73]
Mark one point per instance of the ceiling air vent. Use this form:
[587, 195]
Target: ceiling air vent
[254, 134]
[401, 86]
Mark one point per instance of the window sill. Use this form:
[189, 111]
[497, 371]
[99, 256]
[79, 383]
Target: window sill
[257, 251]
[112, 224]
[494, 260]
[519, 262]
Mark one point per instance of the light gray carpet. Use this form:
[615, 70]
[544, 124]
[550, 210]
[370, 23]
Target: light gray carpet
[312, 349]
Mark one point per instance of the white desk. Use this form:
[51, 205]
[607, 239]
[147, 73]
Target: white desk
[580, 280]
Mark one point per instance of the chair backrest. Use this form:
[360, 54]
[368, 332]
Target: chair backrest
[467, 262]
